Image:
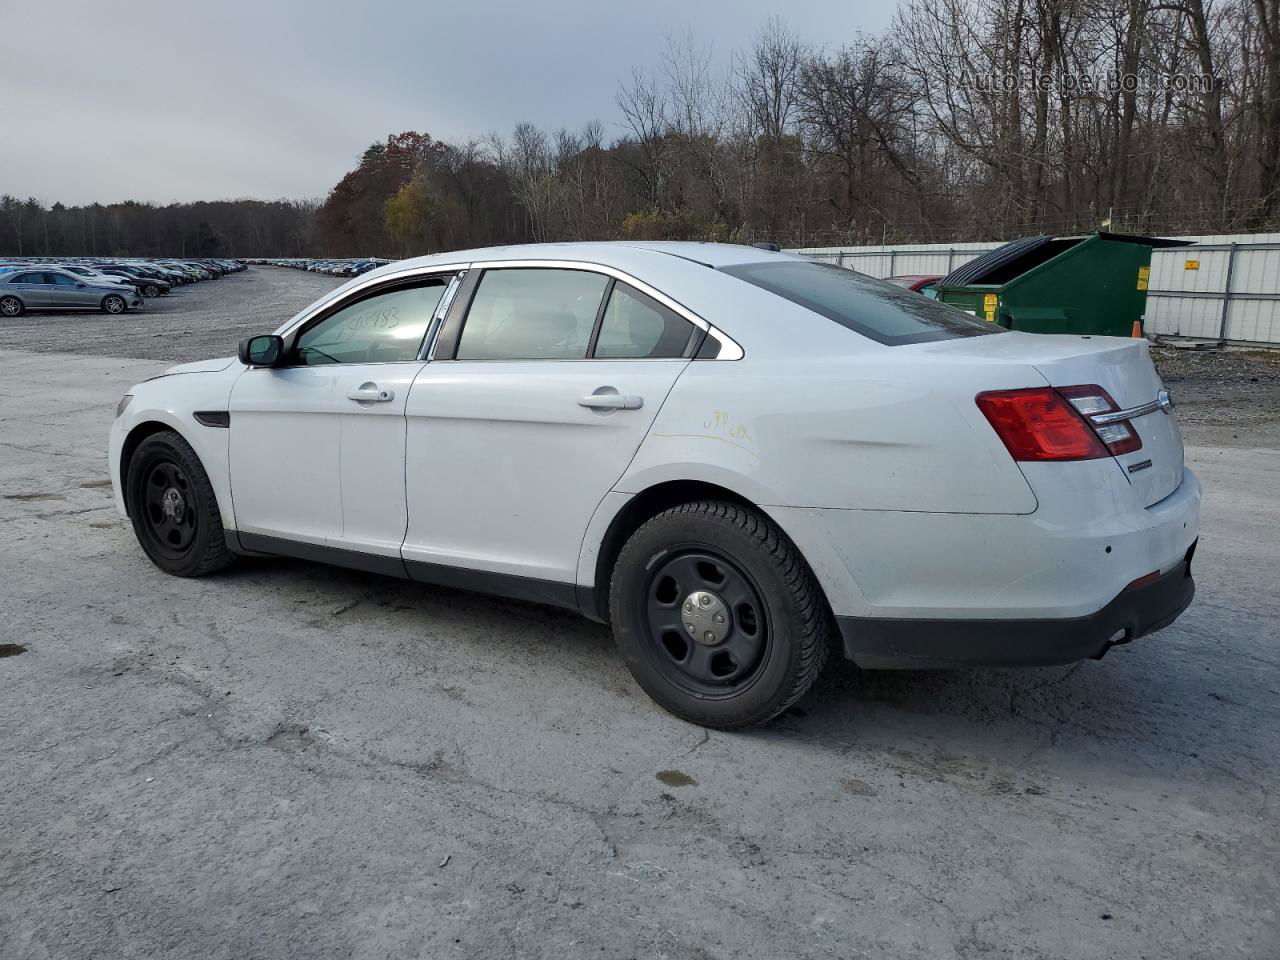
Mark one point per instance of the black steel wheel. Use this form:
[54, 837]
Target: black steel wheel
[173, 507]
[170, 513]
[706, 622]
[717, 614]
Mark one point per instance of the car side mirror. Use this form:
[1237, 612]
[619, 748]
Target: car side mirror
[263, 351]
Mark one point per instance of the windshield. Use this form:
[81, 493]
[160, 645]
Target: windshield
[876, 309]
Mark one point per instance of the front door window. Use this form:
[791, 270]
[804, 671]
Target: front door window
[384, 328]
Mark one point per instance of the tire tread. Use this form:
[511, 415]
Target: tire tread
[216, 555]
[814, 638]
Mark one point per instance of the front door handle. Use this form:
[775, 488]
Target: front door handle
[612, 401]
[370, 393]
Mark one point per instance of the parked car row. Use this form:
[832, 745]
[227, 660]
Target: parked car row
[334, 268]
[89, 283]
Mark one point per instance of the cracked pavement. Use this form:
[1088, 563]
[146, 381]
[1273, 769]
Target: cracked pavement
[290, 760]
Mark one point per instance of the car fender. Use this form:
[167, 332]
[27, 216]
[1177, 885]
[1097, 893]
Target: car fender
[803, 526]
[173, 401]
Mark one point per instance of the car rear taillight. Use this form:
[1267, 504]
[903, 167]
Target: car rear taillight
[1039, 424]
[1047, 423]
[1091, 399]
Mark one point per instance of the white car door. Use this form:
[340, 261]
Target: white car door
[317, 445]
[538, 395]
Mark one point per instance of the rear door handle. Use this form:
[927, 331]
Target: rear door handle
[612, 401]
[370, 393]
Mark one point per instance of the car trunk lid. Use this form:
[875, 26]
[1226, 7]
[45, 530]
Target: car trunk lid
[1120, 366]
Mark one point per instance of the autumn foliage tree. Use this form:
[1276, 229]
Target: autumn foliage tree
[352, 219]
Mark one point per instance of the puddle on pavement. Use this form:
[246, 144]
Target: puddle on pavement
[676, 778]
[11, 649]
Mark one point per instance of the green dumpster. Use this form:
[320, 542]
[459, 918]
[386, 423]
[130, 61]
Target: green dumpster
[1095, 284]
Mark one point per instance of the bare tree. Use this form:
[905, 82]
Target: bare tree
[645, 107]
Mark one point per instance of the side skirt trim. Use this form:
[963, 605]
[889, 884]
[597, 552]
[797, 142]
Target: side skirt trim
[318, 553]
[548, 592]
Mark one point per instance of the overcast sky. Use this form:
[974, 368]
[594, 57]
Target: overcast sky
[165, 101]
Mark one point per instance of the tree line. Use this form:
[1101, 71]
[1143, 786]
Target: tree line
[966, 119]
[221, 228]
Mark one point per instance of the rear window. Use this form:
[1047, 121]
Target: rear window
[874, 308]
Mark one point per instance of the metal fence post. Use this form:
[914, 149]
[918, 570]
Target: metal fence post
[893, 257]
[1226, 296]
[951, 257]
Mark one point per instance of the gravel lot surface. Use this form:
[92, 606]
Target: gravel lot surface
[1229, 397]
[290, 760]
[194, 322]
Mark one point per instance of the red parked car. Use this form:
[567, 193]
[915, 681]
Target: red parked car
[919, 282]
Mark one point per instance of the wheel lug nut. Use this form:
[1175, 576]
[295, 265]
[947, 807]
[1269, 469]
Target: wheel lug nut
[705, 601]
[719, 618]
[691, 628]
[709, 637]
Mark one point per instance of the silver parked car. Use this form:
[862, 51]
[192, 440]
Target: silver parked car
[49, 288]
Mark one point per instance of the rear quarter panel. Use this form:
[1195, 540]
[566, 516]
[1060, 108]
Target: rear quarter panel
[891, 429]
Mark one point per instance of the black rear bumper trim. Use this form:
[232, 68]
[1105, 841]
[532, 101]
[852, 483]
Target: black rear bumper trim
[900, 644]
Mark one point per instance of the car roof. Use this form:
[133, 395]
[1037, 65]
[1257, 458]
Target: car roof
[603, 252]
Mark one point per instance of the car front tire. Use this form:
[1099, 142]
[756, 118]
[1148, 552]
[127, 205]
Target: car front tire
[173, 508]
[151, 290]
[718, 616]
[10, 307]
[113, 303]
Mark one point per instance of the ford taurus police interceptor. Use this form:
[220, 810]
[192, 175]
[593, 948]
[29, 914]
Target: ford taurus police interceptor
[741, 460]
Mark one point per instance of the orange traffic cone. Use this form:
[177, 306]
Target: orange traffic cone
[1137, 329]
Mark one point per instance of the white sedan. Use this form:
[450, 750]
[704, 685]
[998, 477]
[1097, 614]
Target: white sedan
[739, 459]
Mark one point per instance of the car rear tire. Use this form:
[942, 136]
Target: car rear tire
[761, 629]
[114, 303]
[173, 508]
[10, 307]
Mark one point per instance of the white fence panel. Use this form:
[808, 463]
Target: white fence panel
[1256, 270]
[1174, 316]
[1254, 321]
[1169, 270]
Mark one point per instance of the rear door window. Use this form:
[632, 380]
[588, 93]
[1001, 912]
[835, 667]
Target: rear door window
[876, 309]
[637, 327]
[532, 313]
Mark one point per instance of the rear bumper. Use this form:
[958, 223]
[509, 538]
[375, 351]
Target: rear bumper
[887, 644]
